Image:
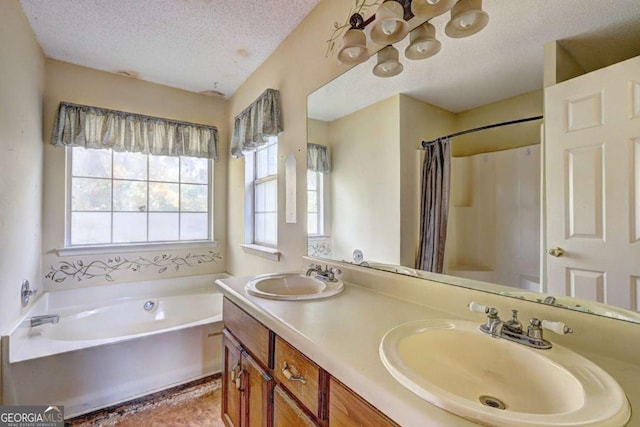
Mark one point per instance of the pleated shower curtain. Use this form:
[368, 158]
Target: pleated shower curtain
[434, 206]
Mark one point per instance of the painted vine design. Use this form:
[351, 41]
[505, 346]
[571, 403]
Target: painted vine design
[81, 270]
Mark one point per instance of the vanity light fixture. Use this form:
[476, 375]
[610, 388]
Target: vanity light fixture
[354, 47]
[423, 42]
[388, 62]
[467, 18]
[390, 24]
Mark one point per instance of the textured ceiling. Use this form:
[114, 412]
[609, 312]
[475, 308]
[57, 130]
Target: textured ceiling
[503, 60]
[187, 44]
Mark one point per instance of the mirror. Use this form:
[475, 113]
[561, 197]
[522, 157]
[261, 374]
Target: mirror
[366, 209]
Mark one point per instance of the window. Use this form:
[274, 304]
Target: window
[315, 205]
[265, 193]
[123, 198]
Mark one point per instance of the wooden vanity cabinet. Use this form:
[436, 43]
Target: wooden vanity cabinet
[247, 389]
[268, 382]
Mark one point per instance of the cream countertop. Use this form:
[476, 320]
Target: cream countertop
[342, 334]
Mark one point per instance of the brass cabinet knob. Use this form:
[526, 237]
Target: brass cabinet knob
[556, 251]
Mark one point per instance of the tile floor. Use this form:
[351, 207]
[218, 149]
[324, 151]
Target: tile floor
[196, 404]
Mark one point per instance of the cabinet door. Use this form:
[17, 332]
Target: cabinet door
[257, 389]
[287, 413]
[347, 409]
[231, 368]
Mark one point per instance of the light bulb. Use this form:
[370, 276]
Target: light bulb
[353, 52]
[388, 67]
[389, 26]
[433, 1]
[468, 20]
[422, 47]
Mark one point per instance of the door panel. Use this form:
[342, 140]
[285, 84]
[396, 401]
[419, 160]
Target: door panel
[592, 182]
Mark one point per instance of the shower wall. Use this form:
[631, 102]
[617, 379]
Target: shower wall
[494, 217]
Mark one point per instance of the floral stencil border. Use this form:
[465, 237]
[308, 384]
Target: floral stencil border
[84, 270]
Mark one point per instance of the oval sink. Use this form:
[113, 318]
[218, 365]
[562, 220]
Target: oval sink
[452, 365]
[292, 286]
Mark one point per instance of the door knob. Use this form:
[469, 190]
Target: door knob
[556, 251]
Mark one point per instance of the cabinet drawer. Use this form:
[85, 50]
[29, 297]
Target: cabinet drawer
[253, 335]
[348, 409]
[298, 374]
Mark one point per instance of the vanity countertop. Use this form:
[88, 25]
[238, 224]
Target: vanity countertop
[342, 334]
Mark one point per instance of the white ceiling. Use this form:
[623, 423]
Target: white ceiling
[187, 44]
[203, 45]
[503, 60]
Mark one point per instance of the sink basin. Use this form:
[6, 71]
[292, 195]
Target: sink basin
[454, 366]
[292, 286]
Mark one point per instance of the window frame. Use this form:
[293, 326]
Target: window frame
[113, 247]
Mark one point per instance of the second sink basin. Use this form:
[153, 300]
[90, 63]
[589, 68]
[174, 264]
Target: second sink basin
[496, 382]
[292, 286]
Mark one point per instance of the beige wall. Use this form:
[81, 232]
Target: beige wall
[502, 138]
[21, 87]
[296, 68]
[68, 82]
[365, 178]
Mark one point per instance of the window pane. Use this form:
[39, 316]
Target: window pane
[88, 194]
[130, 196]
[164, 168]
[193, 226]
[130, 165]
[260, 198]
[262, 166]
[129, 227]
[312, 201]
[312, 181]
[163, 226]
[90, 227]
[312, 223]
[89, 162]
[271, 225]
[194, 198]
[194, 170]
[271, 195]
[164, 197]
[273, 158]
[259, 230]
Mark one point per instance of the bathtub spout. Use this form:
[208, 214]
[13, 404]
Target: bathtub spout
[41, 320]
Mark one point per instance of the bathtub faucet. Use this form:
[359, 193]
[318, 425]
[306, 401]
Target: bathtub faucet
[47, 318]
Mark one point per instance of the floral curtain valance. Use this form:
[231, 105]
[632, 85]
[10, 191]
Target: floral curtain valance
[92, 127]
[253, 126]
[317, 158]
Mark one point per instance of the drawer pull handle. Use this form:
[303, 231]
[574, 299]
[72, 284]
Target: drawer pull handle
[288, 372]
[238, 379]
[232, 372]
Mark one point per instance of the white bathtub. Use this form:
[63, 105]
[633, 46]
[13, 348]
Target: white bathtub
[107, 348]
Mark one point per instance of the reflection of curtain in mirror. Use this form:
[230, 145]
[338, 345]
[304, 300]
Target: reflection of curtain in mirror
[434, 206]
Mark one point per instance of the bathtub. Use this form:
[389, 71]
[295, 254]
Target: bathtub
[107, 348]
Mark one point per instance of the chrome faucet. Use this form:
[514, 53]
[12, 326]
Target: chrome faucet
[41, 320]
[327, 274]
[513, 330]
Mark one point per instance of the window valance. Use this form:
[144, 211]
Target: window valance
[256, 123]
[317, 158]
[92, 127]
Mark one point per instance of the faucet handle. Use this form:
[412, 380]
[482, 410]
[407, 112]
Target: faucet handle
[558, 327]
[480, 308]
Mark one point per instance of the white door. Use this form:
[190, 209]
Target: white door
[592, 159]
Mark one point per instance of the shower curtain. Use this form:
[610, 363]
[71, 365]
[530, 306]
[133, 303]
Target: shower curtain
[434, 206]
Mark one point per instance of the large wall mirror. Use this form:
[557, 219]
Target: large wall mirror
[366, 208]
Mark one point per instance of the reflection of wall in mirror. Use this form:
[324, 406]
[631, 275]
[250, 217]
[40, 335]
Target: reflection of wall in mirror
[494, 217]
